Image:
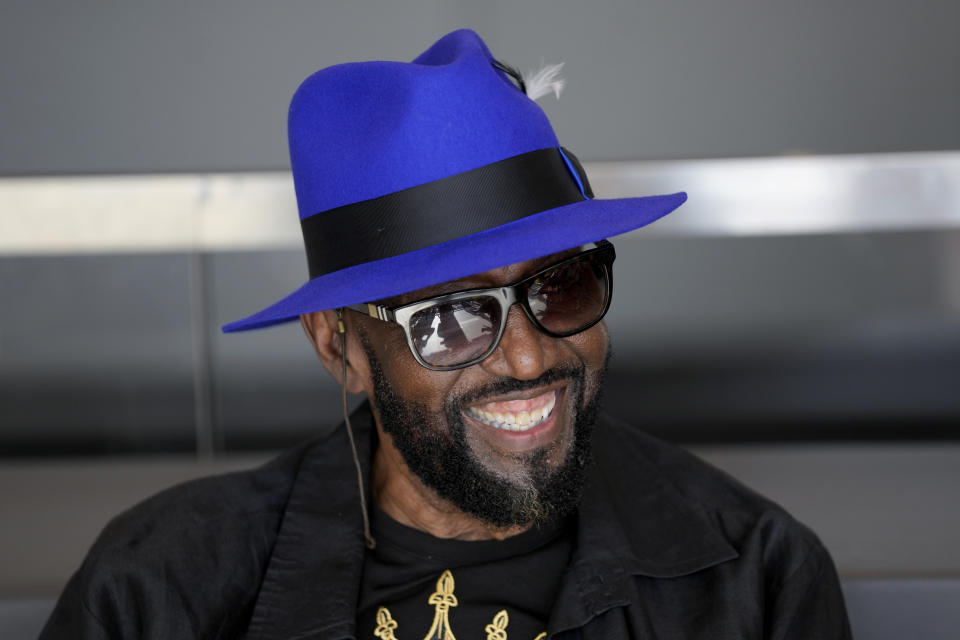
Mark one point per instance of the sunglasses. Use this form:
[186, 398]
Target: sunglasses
[460, 329]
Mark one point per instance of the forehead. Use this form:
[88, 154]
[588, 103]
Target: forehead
[493, 278]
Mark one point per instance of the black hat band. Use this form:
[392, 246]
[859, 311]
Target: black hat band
[442, 210]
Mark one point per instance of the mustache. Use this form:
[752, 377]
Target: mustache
[508, 385]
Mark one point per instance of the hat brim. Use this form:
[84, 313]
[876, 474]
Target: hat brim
[528, 238]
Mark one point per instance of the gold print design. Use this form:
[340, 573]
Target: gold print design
[497, 630]
[442, 599]
[385, 625]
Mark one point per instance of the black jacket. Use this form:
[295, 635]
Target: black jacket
[667, 547]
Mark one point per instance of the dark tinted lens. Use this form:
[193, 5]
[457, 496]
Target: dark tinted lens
[456, 332]
[571, 297]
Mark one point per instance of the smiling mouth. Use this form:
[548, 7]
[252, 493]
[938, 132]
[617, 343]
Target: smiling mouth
[515, 415]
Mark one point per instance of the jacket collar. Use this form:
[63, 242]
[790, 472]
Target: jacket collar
[312, 581]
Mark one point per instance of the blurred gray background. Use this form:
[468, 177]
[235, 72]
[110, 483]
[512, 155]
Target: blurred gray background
[824, 335]
[98, 87]
[822, 367]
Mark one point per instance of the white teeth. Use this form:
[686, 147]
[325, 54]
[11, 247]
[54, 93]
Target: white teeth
[522, 421]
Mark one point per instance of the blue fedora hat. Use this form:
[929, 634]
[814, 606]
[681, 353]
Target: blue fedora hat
[412, 174]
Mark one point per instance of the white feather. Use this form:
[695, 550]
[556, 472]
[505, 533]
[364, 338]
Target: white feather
[546, 80]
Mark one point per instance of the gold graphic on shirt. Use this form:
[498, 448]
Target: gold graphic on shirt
[385, 625]
[497, 630]
[442, 599]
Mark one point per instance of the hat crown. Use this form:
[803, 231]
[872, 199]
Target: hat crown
[412, 174]
[363, 130]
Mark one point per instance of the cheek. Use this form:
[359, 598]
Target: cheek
[395, 354]
[591, 346]
[413, 382]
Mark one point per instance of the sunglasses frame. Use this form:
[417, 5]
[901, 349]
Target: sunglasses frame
[506, 296]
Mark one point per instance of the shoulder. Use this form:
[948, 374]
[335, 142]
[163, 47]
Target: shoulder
[763, 572]
[757, 527]
[187, 558]
[229, 504]
[620, 445]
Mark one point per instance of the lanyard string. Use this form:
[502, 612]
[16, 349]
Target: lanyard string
[341, 329]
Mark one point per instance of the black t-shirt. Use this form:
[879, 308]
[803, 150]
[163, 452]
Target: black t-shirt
[414, 583]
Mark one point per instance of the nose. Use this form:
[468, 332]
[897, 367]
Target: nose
[524, 352]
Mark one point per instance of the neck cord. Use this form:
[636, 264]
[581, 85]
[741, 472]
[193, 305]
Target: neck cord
[341, 329]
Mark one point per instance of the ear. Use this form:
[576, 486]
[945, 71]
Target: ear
[321, 330]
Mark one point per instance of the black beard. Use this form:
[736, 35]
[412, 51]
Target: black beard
[445, 463]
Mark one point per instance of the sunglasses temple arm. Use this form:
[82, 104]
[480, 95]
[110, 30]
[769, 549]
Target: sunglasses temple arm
[372, 310]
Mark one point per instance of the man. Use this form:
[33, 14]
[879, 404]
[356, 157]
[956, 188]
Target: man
[459, 277]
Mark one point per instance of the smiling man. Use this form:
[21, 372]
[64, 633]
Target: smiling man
[459, 276]
[501, 431]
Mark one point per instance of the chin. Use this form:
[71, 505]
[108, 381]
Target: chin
[502, 476]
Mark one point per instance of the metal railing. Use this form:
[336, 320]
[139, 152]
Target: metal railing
[742, 196]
